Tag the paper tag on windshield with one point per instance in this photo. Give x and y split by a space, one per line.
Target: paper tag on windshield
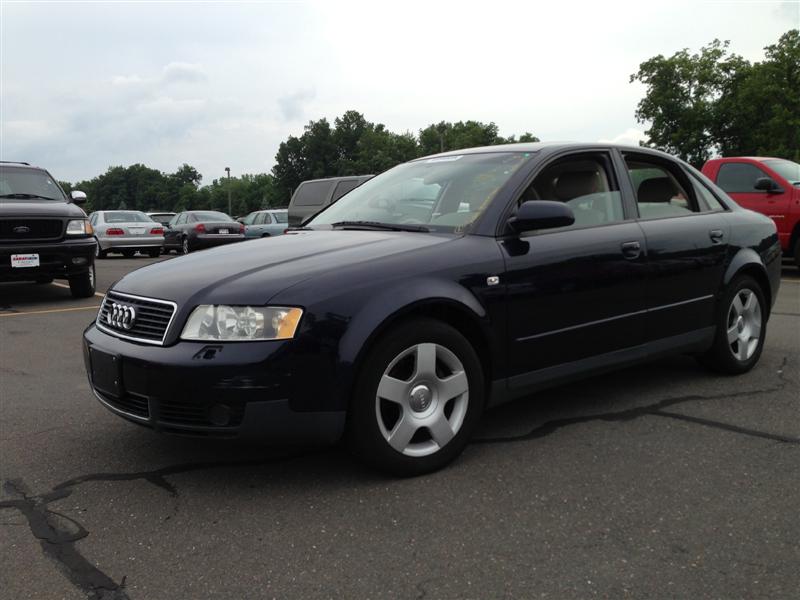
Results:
444 159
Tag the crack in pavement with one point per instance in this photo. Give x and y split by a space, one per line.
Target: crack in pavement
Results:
58 542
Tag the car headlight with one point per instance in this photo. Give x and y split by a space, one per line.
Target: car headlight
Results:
241 323
79 227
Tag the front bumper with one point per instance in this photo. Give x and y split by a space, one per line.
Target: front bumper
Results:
61 259
118 241
205 389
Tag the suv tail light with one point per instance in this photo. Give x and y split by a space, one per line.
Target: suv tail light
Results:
200 228
157 231
114 231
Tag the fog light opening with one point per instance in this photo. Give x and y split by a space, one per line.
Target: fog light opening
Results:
79 260
219 415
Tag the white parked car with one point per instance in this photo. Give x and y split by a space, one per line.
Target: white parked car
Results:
126 231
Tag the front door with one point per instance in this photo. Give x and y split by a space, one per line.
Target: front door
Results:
575 292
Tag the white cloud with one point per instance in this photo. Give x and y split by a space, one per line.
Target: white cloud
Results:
629 137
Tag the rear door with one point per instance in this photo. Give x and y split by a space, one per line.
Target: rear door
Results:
687 246
575 292
172 233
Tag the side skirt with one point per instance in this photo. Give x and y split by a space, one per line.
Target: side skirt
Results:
504 390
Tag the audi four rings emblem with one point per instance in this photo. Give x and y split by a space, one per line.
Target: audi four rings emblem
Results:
121 316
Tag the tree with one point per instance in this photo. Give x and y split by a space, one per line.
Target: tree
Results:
717 102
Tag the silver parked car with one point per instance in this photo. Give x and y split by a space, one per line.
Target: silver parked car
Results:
126 231
265 223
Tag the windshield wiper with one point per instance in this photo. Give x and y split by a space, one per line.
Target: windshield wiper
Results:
27 196
384 226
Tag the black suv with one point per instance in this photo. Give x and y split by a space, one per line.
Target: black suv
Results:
43 234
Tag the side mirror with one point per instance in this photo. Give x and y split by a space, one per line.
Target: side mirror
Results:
541 214
766 184
78 197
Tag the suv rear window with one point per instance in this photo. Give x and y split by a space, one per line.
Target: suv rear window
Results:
312 193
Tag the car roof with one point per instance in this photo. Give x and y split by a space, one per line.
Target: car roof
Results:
23 165
755 158
338 178
550 146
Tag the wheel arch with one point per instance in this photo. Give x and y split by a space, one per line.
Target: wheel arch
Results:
748 262
462 311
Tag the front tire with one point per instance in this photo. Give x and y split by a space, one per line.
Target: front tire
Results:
741 328
154 252
99 252
418 398
83 286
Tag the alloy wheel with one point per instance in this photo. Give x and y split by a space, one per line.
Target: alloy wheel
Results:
185 245
422 399
744 324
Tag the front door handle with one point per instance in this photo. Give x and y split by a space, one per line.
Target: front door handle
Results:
716 235
631 250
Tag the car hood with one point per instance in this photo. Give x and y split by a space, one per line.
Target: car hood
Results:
39 208
252 272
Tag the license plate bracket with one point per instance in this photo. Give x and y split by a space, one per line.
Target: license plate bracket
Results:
21 261
107 372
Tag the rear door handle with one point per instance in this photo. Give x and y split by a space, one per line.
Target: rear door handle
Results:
631 250
716 235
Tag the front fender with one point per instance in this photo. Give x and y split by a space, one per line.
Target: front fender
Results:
384 308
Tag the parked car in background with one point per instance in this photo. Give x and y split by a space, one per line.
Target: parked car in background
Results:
770 186
396 321
196 229
265 223
126 232
44 234
313 195
161 217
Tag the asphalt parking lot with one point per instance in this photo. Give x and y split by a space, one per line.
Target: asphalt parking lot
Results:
660 481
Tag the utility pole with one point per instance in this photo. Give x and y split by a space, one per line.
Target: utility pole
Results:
228 171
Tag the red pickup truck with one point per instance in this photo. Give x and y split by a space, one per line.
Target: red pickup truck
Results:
770 186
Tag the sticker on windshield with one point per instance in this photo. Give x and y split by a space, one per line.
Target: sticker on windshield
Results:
444 159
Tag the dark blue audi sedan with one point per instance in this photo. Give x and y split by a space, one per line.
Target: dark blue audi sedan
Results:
439 288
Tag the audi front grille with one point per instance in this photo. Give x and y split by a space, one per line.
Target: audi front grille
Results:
135 318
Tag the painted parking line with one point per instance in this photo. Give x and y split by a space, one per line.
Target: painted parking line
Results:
61 285
48 311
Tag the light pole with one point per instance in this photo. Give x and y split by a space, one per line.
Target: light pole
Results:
228 171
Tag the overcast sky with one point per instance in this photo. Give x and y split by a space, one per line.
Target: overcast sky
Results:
93 84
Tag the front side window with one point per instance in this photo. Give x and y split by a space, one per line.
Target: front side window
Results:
24 183
445 193
739 178
659 193
585 184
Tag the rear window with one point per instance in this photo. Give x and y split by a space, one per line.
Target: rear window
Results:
312 193
126 216
209 215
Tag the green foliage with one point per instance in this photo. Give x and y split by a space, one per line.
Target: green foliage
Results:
717 102
352 146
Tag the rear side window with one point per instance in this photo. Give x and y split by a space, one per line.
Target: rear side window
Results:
739 177
659 193
312 193
343 187
708 201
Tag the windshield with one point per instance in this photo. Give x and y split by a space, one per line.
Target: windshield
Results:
16 182
209 215
126 216
444 193
785 168
280 217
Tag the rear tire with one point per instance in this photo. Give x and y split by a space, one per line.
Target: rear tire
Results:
184 249
434 396
741 328
83 286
